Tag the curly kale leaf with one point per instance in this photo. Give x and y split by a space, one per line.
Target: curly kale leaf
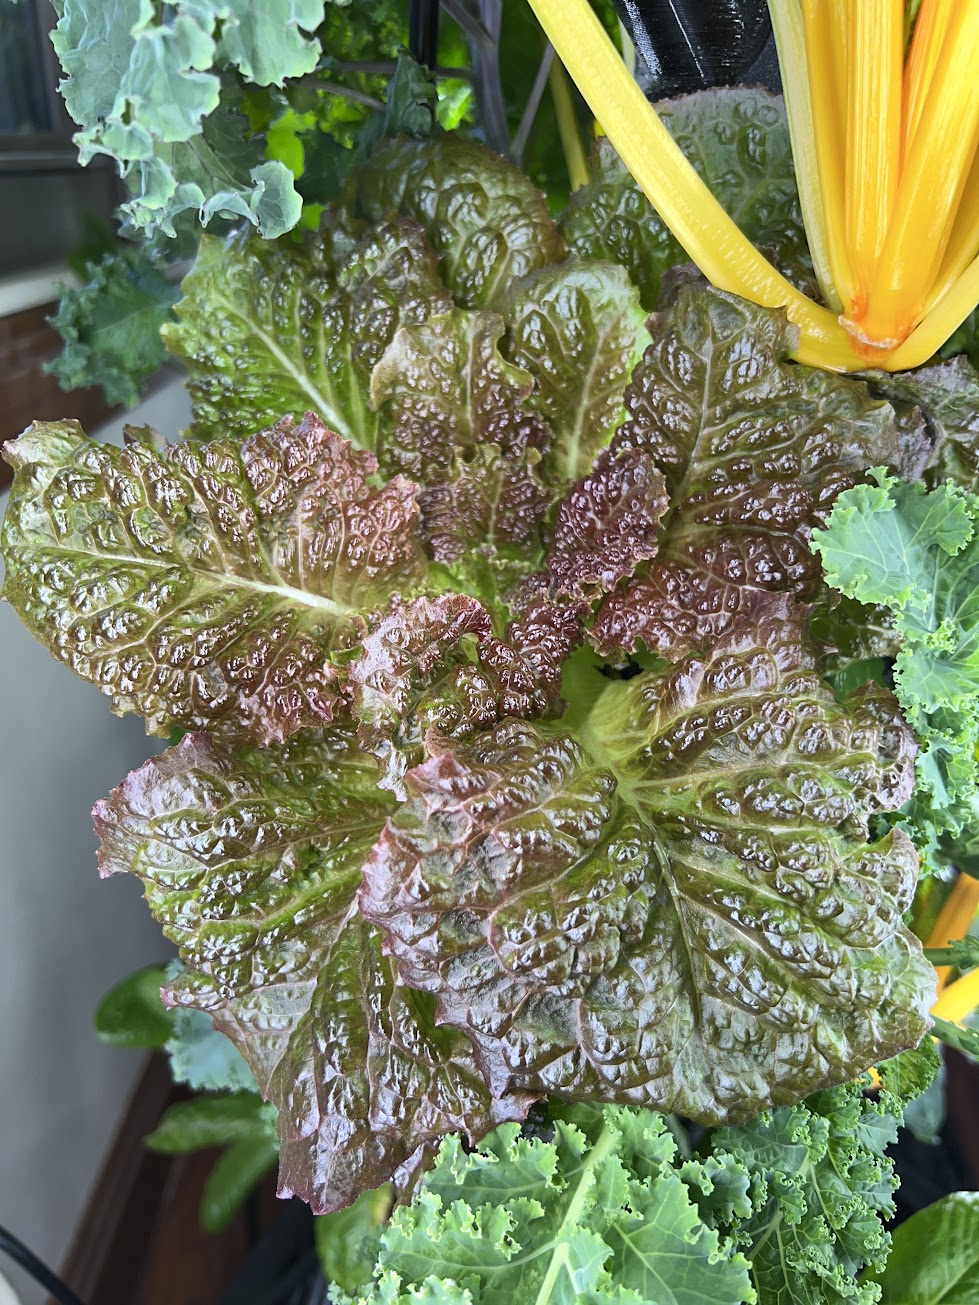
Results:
205 585
916 552
670 899
598 1219
738 140
146 89
111 327
604 1207
821 1184
753 450
251 861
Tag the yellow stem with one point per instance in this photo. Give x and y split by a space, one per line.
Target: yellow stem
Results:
872 155
567 125
959 999
930 28
954 920
963 244
938 324
928 196
791 44
824 23
685 203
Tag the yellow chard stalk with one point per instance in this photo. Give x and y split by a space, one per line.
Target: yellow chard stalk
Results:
884 145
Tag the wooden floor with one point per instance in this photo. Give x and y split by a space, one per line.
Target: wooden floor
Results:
140 1241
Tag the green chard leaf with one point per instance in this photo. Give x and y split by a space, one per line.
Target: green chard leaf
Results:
917 552
935 1260
738 140
670 899
270 330
754 450
251 861
573 1219
205 585
111 327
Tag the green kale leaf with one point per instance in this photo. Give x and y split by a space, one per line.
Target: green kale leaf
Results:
146 88
111 327
598 1219
916 551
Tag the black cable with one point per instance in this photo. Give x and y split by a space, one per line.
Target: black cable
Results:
37 1269
423 31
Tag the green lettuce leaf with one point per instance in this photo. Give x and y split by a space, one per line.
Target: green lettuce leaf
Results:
111 327
935 1260
754 450
669 899
738 140
267 330
251 861
204 585
917 552
488 224
579 330
579 1219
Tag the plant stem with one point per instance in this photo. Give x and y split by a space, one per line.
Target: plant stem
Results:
567 125
349 93
533 104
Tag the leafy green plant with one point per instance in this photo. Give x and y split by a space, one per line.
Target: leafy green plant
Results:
567 682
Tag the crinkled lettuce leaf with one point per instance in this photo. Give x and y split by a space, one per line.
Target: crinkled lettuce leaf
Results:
205 585
754 450
672 901
251 859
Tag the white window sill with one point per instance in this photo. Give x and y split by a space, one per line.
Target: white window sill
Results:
42 285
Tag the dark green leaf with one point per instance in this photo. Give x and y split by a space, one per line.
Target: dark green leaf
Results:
935 1260
111 327
347 1240
132 1013
236 1173
212 1121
